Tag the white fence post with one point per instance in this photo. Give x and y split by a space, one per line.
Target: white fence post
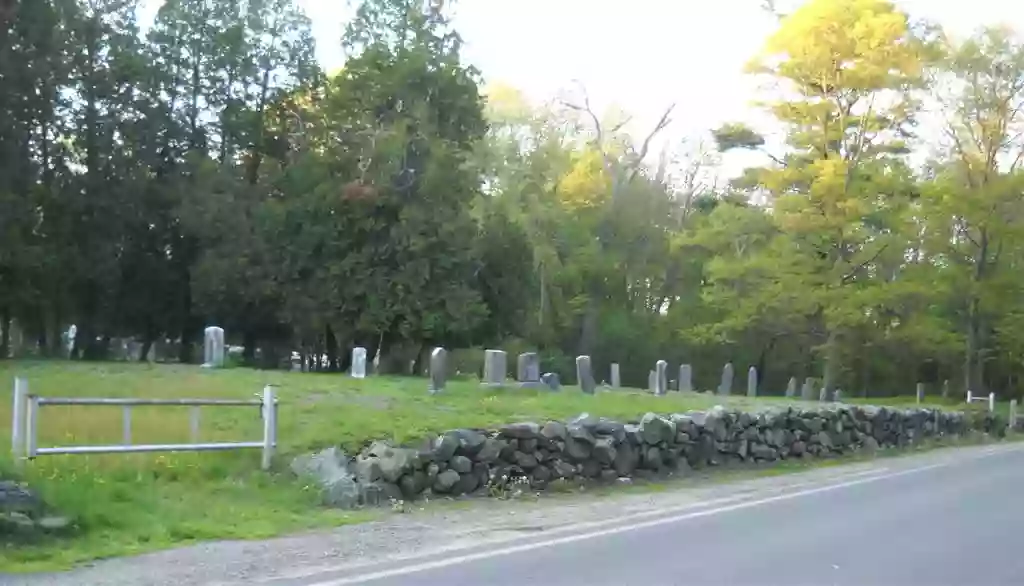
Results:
1013 415
18 420
269 411
969 397
32 426
991 402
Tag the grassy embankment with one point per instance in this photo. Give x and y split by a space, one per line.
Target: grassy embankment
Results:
127 504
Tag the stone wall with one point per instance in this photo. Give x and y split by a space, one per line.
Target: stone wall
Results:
464 461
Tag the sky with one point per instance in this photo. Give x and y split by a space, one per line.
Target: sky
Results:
640 55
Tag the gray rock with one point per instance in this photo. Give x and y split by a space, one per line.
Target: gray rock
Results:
541 475
604 451
870 444
467 483
654 429
393 462
633 434
367 469
413 484
525 430
683 423
525 461
798 448
626 459
652 458
608 476
582 434
607 427
554 430
585 420
328 470
445 446
378 493
445 481
54 523
461 464
716 422
433 469
590 469
15 497
470 442
763 452
563 469
490 451
528 445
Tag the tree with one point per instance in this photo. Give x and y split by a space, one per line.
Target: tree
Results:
836 193
973 203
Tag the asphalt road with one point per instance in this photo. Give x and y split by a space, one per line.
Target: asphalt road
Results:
958 521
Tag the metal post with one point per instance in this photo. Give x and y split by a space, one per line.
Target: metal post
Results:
18 420
968 396
920 393
1013 415
991 402
32 427
194 424
269 425
126 425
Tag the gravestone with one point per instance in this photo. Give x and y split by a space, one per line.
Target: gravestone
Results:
791 387
725 386
945 389
837 395
213 347
616 377
652 381
438 370
551 380
752 381
359 362
685 378
495 367
528 370
69 337
807 391
661 378
920 393
823 395
585 374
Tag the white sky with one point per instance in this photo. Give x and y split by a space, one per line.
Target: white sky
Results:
639 55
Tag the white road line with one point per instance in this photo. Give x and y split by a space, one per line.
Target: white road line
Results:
416 568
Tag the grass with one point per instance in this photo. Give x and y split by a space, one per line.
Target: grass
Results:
126 504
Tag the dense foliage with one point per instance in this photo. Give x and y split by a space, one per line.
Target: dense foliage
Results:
202 169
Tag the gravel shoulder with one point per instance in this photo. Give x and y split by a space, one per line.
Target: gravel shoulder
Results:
438 528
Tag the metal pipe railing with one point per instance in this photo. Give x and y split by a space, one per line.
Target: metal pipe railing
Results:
27 407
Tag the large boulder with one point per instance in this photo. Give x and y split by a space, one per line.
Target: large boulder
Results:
328 470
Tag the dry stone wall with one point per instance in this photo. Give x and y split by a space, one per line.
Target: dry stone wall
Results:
464 461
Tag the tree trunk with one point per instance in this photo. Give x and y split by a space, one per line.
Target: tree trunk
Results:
331 343
249 343
831 363
5 332
972 365
147 344
588 328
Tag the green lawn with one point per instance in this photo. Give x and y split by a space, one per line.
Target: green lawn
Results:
133 503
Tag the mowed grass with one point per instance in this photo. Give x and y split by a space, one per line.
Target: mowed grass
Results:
140 502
